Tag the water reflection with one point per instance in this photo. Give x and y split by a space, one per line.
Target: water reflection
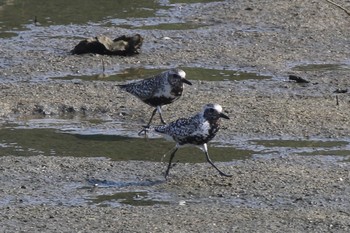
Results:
192 73
25 142
140 198
14 15
322 67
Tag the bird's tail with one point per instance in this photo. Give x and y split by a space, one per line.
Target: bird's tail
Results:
121 86
159 129
149 130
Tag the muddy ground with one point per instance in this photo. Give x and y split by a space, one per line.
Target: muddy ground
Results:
289 193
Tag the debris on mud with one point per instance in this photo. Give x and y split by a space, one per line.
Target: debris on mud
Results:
297 79
341 91
122 46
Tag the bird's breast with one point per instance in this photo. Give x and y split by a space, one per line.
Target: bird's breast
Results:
176 91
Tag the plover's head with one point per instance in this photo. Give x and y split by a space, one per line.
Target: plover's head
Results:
213 112
177 77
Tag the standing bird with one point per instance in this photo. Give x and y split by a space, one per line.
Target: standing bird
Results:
196 130
159 90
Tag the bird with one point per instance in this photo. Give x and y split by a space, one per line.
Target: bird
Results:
197 130
158 90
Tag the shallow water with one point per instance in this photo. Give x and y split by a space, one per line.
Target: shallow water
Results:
301 143
15 16
135 198
305 147
99 138
322 67
192 73
54 142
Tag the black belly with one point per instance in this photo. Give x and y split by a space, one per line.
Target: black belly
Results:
156 101
196 140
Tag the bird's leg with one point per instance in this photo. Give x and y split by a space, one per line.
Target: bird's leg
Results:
150 120
170 160
211 162
166 155
146 127
174 164
159 109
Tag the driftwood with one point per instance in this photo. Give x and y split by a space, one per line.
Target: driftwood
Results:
122 46
341 91
297 79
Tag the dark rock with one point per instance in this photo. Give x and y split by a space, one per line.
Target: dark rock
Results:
297 79
341 91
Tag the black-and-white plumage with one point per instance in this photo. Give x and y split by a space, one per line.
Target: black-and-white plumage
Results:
159 90
197 130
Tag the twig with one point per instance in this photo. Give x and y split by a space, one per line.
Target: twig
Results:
337 103
103 66
341 7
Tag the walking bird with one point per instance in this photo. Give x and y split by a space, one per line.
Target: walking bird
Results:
197 130
158 90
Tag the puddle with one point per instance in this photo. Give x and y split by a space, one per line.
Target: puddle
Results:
138 198
99 138
16 16
299 143
192 73
322 67
167 26
329 153
304 147
103 193
119 184
80 137
53 142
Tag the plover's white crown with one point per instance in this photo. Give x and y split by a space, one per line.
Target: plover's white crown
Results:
177 72
181 73
217 107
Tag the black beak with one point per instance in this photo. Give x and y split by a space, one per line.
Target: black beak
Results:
186 81
224 116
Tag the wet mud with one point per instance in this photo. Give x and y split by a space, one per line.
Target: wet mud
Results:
296 177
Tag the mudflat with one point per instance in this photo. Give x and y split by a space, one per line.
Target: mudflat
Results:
286 192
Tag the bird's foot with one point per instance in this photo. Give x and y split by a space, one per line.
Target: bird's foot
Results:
224 174
144 130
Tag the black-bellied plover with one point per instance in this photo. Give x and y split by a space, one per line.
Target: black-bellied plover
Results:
197 130
158 90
